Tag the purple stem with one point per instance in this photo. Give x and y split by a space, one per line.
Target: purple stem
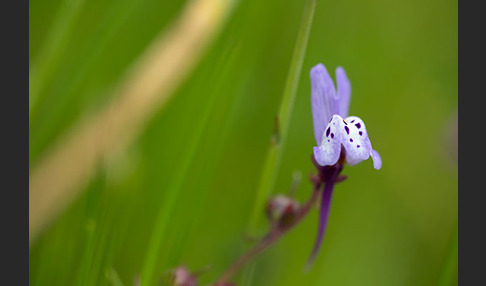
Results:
323 214
275 233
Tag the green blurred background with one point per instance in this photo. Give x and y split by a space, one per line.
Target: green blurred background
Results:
396 226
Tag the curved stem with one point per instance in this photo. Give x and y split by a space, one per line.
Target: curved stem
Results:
274 234
329 175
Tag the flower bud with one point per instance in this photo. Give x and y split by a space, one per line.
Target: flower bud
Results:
281 209
182 277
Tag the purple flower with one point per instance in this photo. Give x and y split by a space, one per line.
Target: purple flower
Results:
329 107
333 133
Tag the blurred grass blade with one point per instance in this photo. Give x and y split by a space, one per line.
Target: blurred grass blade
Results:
113 277
154 252
449 273
172 194
53 49
146 89
274 155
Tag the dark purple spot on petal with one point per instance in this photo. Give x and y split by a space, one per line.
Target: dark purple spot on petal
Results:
352 121
350 139
332 135
331 119
328 140
345 122
327 131
347 129
357 146
358 125
361 133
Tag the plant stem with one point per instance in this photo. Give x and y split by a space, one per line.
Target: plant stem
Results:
275 153
327 175
274 234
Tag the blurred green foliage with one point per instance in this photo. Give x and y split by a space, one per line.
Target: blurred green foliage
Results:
396 226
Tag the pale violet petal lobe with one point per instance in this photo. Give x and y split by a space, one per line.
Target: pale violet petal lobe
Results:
355 140
323 99
329 150
375 156
343 91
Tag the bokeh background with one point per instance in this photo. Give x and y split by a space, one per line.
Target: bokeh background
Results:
395 226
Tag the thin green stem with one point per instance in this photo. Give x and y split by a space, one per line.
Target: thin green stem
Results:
274 155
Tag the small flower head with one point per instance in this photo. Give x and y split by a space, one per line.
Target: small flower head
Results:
331 131
182 277
282 209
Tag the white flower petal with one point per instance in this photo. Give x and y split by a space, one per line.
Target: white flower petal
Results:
356 141
328 152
